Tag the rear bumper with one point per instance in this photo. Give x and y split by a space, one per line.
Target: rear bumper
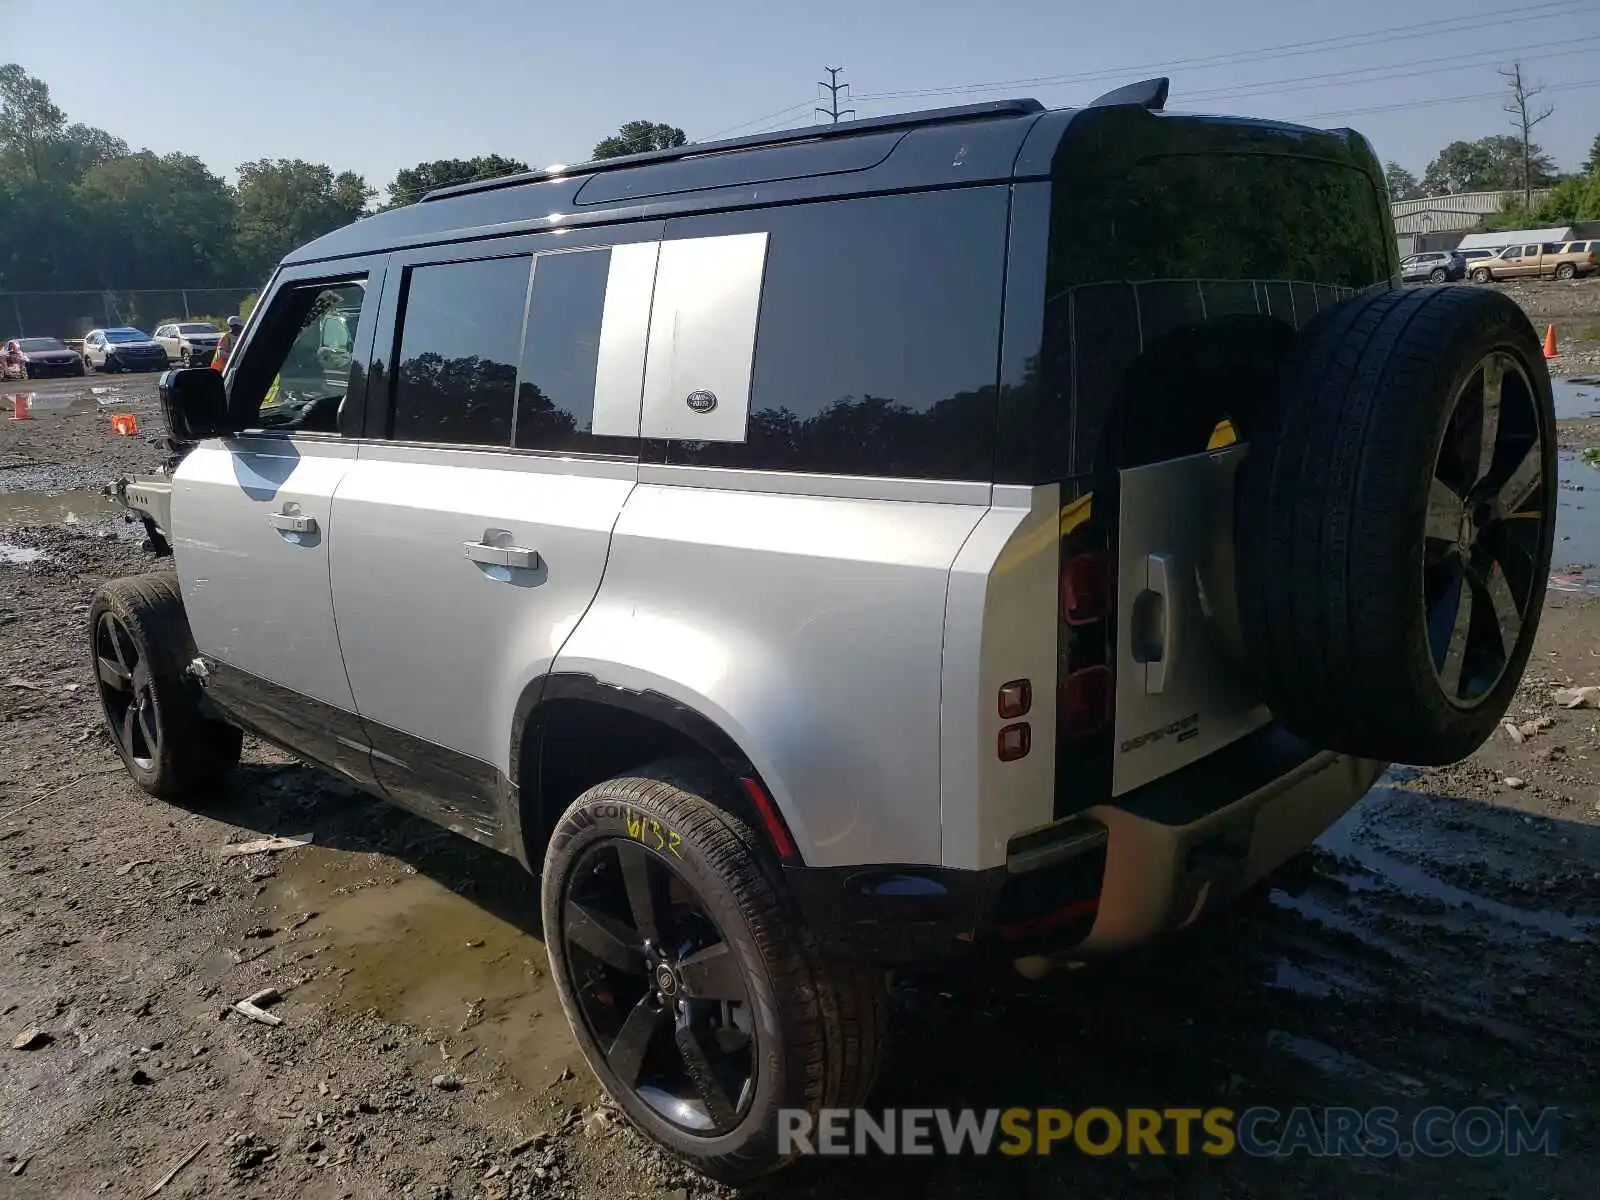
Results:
1104 880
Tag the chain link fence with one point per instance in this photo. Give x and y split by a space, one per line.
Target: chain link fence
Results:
73 314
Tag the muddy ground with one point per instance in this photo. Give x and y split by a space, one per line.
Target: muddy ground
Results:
1438 948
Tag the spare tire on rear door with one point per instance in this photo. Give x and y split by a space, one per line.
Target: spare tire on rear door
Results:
1394 523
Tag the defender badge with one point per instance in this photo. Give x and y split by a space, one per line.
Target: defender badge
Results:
702 402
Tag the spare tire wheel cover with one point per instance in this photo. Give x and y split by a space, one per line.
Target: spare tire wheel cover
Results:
1395 520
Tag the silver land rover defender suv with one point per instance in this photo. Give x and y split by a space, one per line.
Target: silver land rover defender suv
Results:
989 533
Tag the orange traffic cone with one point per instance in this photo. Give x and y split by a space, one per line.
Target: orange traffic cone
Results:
19 407
125 424
1550 350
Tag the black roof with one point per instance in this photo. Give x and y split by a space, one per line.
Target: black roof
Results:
998 141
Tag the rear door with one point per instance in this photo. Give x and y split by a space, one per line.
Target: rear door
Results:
474 527
1225 243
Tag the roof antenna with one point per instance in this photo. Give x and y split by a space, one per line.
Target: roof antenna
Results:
1149 94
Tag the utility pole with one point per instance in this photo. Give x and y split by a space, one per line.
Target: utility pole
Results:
1523 123
833 88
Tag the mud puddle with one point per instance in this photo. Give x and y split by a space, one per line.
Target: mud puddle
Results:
63 402
424 955
1365 866
14 555
1575 557
56 508
1576 398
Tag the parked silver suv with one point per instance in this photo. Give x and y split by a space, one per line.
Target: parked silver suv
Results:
992 534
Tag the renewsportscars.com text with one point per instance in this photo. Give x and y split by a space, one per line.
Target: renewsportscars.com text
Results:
1259 1132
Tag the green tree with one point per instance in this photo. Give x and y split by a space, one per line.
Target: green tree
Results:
1489 164
283 203
81 148
1592 163
159 221
1402 183
412 183
30 123
637 137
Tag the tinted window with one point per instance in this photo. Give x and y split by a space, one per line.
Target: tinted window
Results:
461 332
877 342
39 344
560 355
1175 288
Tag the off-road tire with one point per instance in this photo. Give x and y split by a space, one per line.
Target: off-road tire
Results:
821 1025
1331 509
196 752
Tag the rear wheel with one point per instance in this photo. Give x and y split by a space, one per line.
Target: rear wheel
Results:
1566 271
695 993
1396 514
140 645
1437 275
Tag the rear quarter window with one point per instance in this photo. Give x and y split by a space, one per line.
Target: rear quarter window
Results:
877 339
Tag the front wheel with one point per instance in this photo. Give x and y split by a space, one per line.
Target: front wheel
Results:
140 646
1480 275
697 996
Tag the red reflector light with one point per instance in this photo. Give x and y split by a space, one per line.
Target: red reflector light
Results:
1084 703
770 818
1085 589
1015 742
1016 698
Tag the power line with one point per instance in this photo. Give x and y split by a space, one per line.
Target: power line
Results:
833 88
1546 10
1405 70
1576 85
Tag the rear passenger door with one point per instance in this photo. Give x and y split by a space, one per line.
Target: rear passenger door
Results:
473 531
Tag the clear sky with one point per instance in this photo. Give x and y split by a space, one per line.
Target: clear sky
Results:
375 85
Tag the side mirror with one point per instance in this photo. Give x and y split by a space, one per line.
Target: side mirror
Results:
194 404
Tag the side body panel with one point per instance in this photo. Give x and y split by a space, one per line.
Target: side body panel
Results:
1000 627
808 627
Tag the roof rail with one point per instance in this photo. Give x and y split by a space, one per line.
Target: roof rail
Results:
932 116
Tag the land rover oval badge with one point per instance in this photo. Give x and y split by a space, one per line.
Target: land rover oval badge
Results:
702 402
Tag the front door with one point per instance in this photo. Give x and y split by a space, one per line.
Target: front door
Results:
252 516
473 528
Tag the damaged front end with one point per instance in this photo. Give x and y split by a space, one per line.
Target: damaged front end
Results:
148 498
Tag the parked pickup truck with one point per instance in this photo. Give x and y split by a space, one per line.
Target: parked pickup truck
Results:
1554 260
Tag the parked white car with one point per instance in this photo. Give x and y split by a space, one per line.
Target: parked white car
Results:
183 340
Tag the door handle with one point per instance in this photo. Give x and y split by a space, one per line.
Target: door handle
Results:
1160 580
292 523
519 557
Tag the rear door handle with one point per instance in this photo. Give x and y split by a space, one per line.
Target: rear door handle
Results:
292 523
519 557
1161 580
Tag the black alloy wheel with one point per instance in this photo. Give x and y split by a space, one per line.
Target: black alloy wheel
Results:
1484 528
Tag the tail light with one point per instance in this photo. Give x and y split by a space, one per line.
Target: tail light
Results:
1084 703
1085 588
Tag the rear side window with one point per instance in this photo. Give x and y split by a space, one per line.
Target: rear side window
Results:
877 339
556 391
460 340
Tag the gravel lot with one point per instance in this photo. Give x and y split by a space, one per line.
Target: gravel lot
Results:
1437 948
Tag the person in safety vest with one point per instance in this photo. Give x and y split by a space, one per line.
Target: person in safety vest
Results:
226 343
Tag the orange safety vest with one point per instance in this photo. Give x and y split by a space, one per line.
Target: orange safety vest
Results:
219 357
